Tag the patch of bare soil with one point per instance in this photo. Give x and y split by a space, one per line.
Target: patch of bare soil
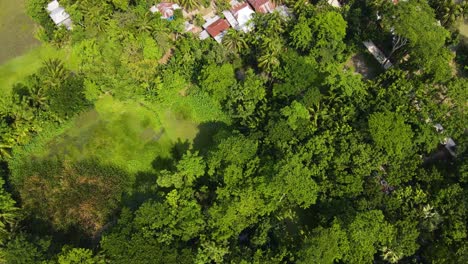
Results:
165 58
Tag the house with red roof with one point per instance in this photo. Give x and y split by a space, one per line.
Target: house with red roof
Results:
262 6
215 27
166 10
218 29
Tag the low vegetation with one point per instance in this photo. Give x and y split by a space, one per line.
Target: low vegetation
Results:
128 140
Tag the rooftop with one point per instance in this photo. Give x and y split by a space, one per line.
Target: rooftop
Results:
262 6
217 28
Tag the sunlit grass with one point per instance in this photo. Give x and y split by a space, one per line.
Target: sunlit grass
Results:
17 69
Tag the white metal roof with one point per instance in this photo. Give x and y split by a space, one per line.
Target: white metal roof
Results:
244 15
204 35
377 53
210 21
58 15
230 18
52 5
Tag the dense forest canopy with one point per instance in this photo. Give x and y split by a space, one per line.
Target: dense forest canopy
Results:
284 143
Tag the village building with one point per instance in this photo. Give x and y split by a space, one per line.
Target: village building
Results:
242 13
231 19
58 15
165 9
215 27
218 29
262 6
378 54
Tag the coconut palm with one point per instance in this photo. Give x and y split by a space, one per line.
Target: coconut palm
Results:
5 150
234 40
53 72
37 97
146 23
96 16
390 255
268 62
189 4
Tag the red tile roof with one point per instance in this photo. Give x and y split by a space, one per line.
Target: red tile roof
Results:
217 27
238 7
262 6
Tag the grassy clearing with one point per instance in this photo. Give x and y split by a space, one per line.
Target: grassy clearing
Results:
17 69
125 134
16 30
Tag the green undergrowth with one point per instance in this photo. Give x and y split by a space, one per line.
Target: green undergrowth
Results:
19 68
127 134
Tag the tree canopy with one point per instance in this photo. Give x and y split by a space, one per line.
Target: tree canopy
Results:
138 142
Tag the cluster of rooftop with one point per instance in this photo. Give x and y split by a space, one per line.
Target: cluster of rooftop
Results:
238 17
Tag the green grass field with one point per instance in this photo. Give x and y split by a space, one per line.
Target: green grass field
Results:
16 30
18 68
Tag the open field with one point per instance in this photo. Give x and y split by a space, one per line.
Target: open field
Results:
16 30
18 68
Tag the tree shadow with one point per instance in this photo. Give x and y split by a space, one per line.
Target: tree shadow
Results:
142 190
205 139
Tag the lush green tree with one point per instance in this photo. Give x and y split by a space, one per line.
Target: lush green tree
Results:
325 245
367 233
218 80
415 21
391 134
77 255
234 40
23 249
247 100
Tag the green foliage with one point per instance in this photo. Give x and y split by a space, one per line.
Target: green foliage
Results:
295 113
325 245
81 194
10 214
367 232
23 249
391 134
218 80
77 255
415 21
268 148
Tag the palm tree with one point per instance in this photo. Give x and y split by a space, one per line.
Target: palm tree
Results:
9 214
54 73
5 150
38 97
146 23
234 40
390 255
189 4
96 16
268 62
